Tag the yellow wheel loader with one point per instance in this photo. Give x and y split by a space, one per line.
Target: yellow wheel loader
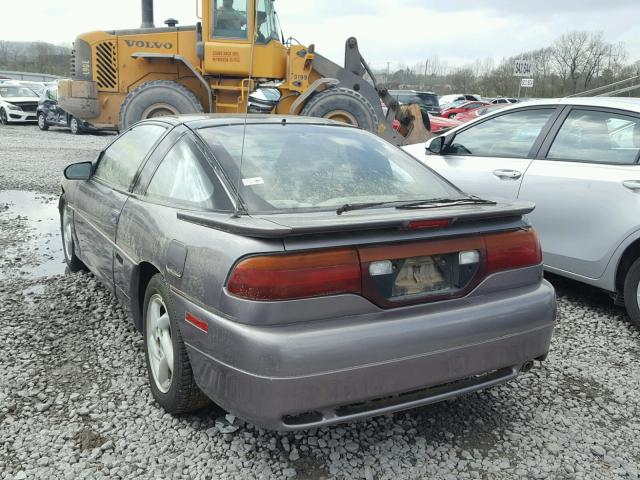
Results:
233 59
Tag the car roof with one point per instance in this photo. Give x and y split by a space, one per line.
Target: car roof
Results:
625 103
196 120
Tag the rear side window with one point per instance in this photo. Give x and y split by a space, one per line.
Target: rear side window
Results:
185 178
119 163
509 135
597 137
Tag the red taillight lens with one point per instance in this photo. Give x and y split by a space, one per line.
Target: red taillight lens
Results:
298 275
512 250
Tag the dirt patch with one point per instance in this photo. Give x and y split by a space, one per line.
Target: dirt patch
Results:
88 439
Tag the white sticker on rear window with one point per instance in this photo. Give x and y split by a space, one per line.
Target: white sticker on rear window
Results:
248 182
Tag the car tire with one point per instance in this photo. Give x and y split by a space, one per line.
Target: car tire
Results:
342 105
3 117
42 122
74 126
68 244
155 99
632 293
170 375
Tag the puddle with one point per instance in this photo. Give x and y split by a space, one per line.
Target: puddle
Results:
31 225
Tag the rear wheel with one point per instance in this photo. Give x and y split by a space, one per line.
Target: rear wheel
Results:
342 105
156 99
3 117
42 122
74 125
632 293
168 367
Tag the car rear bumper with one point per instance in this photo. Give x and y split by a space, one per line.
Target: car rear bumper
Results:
302 376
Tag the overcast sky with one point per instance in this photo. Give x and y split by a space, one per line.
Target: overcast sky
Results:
457 31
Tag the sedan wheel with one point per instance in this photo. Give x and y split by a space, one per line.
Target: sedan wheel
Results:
632 293
159 344
3 117
74 125
42 122
169 371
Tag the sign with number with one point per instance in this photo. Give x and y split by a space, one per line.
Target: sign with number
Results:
526 83
522 68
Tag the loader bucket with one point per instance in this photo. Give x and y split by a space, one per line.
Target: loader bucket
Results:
412 125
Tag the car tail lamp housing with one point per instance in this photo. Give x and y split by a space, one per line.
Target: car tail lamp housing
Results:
389 275
516 249
297 275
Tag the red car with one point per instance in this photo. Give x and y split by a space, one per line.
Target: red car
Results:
469 115
438 124
465 107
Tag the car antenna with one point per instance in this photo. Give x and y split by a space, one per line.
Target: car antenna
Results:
236 213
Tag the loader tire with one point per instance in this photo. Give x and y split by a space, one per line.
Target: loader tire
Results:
156 99
342 105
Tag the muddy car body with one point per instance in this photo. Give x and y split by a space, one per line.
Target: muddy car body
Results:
291 309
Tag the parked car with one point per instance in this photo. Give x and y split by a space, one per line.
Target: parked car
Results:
297 292
464 117
51 114
428 101
503 101
17 104
577 160
454 110
444 99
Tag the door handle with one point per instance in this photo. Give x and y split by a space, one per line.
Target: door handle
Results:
631 184
507 174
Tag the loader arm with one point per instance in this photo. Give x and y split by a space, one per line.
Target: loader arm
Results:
352 76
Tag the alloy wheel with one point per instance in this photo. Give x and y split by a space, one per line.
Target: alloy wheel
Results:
159 343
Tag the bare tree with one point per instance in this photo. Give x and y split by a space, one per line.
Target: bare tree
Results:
571 53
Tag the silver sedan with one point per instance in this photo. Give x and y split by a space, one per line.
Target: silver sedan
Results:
577 160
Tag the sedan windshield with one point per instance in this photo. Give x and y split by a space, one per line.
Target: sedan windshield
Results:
319 167
16 92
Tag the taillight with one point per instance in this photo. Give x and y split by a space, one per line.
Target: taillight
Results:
298 275
512 250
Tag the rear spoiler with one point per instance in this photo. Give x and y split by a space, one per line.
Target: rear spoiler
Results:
279 225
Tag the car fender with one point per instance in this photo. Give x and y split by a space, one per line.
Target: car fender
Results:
608 279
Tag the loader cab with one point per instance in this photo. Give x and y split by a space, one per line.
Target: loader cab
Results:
231 28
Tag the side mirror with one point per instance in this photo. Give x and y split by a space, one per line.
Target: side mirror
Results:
79 171
435 146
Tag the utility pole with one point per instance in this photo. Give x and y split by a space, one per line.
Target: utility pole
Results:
426 69
388 66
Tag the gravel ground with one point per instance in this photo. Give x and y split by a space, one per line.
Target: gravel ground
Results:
74 400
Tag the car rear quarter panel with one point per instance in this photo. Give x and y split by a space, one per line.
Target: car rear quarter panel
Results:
147 230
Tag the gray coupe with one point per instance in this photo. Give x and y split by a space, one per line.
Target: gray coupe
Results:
301 273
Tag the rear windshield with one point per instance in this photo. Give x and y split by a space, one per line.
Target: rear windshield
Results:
318 167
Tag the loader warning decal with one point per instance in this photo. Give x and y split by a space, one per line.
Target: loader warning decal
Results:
225 57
